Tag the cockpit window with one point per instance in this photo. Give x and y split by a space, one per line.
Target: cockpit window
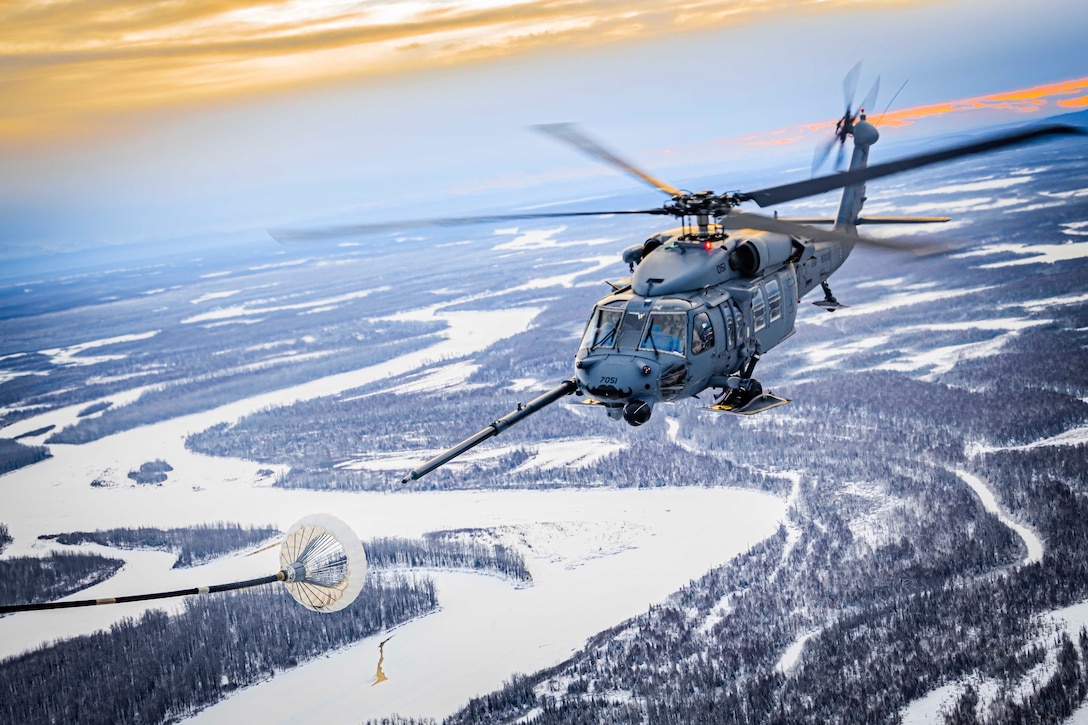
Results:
702 333
665 332
601 331
631 328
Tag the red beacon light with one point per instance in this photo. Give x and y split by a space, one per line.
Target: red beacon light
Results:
708 245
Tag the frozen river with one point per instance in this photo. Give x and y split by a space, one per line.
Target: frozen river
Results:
597 556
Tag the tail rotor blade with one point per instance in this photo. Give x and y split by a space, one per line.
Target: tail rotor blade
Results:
850 87
819 157
869 103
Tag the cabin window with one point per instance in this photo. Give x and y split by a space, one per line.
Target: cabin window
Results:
732 328
702 333
759 309
665 332
774 300
601 331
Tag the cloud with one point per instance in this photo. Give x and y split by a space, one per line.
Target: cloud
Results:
1025 100
67 65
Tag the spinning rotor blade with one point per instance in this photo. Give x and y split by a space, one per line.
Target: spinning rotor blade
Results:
811 187
349 230
744 220
850 88
821 154
569 133
869 101
840 156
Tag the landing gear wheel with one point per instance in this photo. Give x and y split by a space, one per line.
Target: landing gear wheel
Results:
754 390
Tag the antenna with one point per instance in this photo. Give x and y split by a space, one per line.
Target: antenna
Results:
892 101
322 561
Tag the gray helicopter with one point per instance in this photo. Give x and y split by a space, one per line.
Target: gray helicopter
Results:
708 298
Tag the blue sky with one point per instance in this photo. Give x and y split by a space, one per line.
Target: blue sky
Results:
398 106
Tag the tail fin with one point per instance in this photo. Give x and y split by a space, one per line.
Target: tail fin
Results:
853 197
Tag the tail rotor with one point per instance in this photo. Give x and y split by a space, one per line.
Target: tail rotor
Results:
845 126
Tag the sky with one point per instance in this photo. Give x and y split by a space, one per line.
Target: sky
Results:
152 121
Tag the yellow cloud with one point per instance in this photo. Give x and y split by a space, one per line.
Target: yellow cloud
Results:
67 64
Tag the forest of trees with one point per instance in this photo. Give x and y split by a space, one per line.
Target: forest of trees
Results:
888 568
34 579
14 455
446 550
164 667
193 545
151 472
220 642
207 388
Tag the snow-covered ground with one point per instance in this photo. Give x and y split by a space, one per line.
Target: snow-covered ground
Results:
597 557
1031 540
932 706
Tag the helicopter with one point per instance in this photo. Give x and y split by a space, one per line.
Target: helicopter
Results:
705 300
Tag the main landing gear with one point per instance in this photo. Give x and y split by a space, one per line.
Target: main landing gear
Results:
829 302
743 394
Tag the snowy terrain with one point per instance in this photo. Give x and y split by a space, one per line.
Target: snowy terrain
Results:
596 557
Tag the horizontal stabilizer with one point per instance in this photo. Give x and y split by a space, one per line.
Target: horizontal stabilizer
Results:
873 220
758 404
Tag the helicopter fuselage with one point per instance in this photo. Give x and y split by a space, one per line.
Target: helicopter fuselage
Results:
705 301
693 314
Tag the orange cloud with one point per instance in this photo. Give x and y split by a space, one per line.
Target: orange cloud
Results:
1080 102
70 64
1025 100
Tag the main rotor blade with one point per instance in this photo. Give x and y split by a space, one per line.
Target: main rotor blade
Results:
568 133
811 187
744 220
350 230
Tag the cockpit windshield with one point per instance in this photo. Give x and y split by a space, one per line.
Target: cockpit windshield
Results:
665 332
601 331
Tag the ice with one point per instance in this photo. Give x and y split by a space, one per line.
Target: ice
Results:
593 264
71 355
223 313
1036 253
1071 437
788 661
940 360
960 206
1032 542
1035 207
931 707
501 629
542 239
574 453
215 296
894 301
982 185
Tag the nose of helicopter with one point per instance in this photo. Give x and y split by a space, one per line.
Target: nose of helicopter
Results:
616 378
